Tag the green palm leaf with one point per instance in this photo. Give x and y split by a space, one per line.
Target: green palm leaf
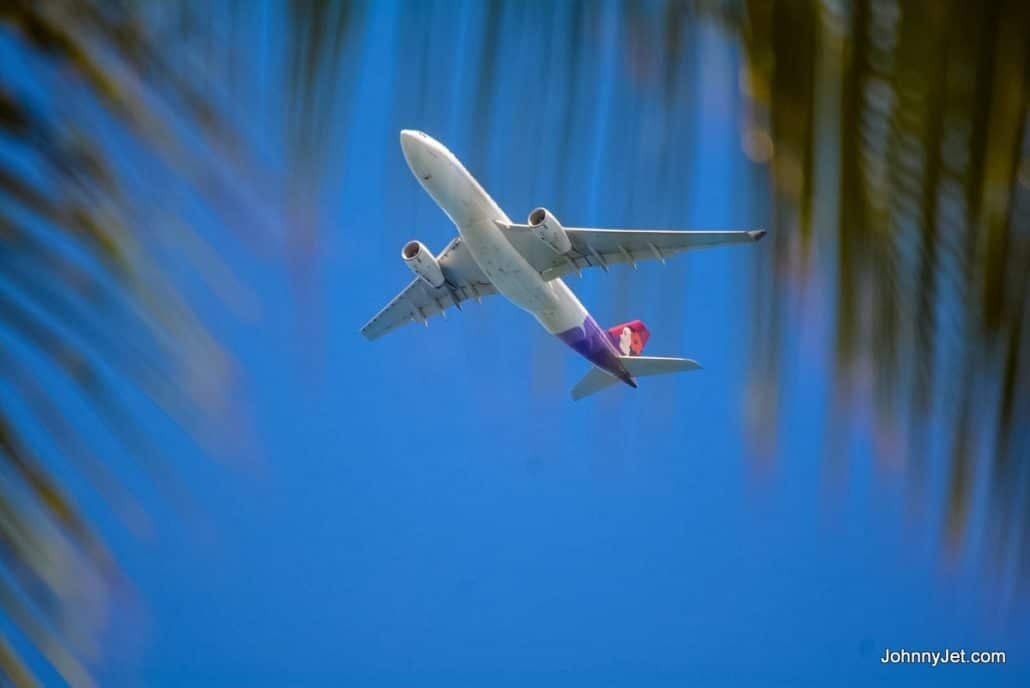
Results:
85 306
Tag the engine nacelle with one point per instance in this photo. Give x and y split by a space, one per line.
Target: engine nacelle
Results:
547 228
422 263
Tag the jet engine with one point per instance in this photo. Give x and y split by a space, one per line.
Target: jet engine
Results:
547 228
422 263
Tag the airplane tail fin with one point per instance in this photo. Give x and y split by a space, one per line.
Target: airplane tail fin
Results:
638 366
630 337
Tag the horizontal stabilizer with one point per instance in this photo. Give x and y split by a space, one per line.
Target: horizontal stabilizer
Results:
594 381
642 366
638 366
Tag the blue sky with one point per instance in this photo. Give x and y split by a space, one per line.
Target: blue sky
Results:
432 509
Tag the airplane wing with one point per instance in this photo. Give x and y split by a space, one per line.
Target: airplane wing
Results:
419 301
605 247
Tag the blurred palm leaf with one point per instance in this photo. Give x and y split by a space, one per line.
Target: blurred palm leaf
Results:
929 105
86 306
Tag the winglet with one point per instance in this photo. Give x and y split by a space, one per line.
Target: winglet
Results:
756 234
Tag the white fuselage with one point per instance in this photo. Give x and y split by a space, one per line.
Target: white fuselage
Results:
474 214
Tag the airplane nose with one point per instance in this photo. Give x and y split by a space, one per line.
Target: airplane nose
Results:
420 151
410 144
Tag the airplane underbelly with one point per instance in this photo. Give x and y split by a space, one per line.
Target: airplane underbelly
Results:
474 213
552 303
504 266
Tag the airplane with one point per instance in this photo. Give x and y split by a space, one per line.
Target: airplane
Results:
525 263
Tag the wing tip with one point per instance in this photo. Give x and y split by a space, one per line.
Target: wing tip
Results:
757 234
369 332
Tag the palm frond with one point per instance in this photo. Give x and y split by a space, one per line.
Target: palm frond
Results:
88 314
931 236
